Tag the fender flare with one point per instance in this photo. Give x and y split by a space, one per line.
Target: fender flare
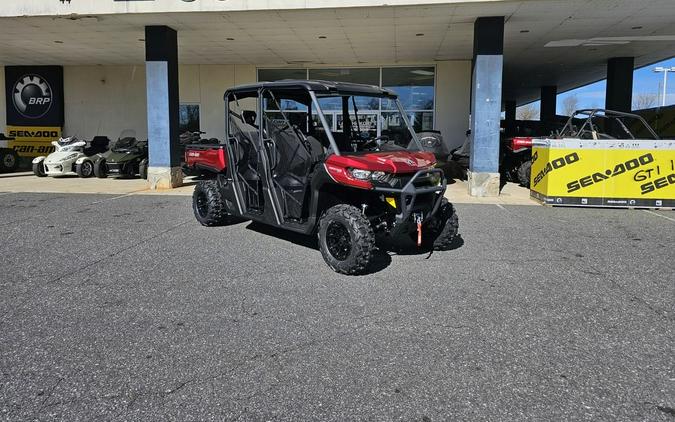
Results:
36 160
80 160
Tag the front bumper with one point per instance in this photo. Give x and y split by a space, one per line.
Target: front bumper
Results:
120 169
59 169
409 196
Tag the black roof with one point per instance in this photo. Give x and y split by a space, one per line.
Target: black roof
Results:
318 86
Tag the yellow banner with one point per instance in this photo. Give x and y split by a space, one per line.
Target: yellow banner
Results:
614 173
32 141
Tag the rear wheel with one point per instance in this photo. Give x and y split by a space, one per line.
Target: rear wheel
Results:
208 204
101 168
524 172
85 169
143 168
346 239
9 161
39 168
442 230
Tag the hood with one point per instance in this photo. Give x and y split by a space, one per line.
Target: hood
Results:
387 161
121 157
56 157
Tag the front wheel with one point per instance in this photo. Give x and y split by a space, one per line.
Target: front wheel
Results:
39 169
442 230
346 239
208 204
85 169
101 169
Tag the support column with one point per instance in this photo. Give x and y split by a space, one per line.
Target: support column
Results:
548 104
161 55
510 117
619 94
486 105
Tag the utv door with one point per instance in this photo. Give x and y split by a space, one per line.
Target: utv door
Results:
289 151
244 149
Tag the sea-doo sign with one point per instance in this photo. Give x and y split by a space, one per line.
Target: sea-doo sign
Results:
34 95
34 98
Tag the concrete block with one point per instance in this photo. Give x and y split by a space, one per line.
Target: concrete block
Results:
165 177
483 184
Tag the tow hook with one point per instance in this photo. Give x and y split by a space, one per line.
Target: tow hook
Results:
418 217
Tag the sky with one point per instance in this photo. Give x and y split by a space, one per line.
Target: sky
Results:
645 80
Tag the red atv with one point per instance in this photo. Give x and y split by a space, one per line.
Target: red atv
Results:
296 157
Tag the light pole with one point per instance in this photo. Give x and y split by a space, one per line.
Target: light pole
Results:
665 71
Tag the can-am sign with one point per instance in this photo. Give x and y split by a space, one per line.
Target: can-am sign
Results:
34 97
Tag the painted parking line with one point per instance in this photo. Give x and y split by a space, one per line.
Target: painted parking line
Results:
659 215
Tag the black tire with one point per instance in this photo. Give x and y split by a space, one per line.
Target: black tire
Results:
101 169
524 172
346 239
85 169
442 230
143 169
208 204
9 160
39 169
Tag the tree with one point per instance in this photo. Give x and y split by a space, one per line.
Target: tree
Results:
644 100
527 112
570 105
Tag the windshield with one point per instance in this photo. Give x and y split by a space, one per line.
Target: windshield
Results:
356 123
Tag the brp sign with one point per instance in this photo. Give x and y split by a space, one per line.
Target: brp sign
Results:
32 96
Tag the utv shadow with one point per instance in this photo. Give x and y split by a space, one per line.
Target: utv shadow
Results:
381 259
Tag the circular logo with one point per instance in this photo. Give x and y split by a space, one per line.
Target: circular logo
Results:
32 96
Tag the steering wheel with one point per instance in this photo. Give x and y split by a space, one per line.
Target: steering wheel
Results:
380 140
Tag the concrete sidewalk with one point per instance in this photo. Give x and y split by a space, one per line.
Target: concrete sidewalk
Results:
457 192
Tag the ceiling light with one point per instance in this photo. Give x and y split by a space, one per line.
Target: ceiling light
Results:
422 72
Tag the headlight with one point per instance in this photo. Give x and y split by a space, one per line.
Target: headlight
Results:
360 174
429 141
70 156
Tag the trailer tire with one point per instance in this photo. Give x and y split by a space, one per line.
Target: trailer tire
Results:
208 204
524 172
346 239
85 169
9 160
442 230
100 169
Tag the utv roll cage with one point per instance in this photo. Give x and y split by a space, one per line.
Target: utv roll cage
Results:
317 89
590 122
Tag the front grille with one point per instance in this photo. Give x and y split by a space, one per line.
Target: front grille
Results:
424 180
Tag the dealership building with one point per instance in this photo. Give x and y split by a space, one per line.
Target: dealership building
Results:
159 67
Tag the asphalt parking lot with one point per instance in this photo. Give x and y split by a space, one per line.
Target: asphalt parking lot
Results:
124 308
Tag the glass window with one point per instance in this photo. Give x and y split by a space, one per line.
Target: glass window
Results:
189 118
414 86
368 76
271 75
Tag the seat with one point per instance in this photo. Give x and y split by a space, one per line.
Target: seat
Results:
97 145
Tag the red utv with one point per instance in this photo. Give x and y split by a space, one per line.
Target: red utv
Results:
296 157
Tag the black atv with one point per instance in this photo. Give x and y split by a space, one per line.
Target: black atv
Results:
283 166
